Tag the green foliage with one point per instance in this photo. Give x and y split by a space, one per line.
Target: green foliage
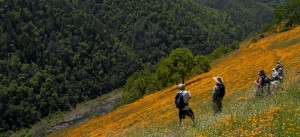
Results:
94 116
201 65
219 52
288 13
256 38
178 66
138 85
55 54
266 28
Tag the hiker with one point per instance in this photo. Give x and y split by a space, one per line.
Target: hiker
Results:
275 73
280 71
218 93
263 82
277 76
182 103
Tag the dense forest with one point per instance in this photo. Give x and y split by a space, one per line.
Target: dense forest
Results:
57 53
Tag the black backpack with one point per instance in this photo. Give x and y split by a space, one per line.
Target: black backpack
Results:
266 80
222 90
179 102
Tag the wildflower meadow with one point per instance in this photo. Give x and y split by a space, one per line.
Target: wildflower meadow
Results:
243 114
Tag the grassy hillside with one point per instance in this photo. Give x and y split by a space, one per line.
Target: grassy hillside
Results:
156 114
55 54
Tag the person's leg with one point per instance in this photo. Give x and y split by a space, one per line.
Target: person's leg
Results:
180 121
219 105
275 86
258 92
190 113
215 106
181 116
268 89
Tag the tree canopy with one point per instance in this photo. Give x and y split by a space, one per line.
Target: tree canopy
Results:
288 13
177 65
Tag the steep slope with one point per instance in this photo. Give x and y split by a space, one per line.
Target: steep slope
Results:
237 69
55 54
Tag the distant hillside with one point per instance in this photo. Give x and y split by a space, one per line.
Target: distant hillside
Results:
55 54
156 113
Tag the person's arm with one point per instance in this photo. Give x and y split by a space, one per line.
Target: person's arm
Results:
189 93
260 81
256 82
215 90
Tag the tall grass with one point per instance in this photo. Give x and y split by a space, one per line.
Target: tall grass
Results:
243 115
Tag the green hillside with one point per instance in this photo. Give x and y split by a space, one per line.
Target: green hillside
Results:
55 54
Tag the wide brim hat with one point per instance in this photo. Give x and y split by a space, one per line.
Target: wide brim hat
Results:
218 79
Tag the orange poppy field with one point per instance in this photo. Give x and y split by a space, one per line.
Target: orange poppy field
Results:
243 115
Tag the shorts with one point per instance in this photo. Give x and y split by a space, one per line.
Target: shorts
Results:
183 113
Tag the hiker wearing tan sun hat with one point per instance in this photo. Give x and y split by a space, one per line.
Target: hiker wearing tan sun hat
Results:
218 93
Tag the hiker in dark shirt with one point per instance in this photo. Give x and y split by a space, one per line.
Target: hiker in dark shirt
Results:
262 83
218 93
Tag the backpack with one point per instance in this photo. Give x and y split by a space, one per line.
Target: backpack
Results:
266 80
179 102
222 90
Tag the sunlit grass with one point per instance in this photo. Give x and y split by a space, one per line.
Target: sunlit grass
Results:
274 115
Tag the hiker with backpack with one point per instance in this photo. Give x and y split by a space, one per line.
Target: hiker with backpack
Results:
262 83
218 93
182 103
277 73
277 76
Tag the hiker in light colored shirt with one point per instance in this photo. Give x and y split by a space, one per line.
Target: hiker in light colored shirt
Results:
277 73
275 77
185 110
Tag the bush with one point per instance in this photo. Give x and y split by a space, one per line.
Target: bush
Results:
219 52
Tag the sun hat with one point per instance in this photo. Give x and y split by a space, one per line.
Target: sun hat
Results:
218 79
